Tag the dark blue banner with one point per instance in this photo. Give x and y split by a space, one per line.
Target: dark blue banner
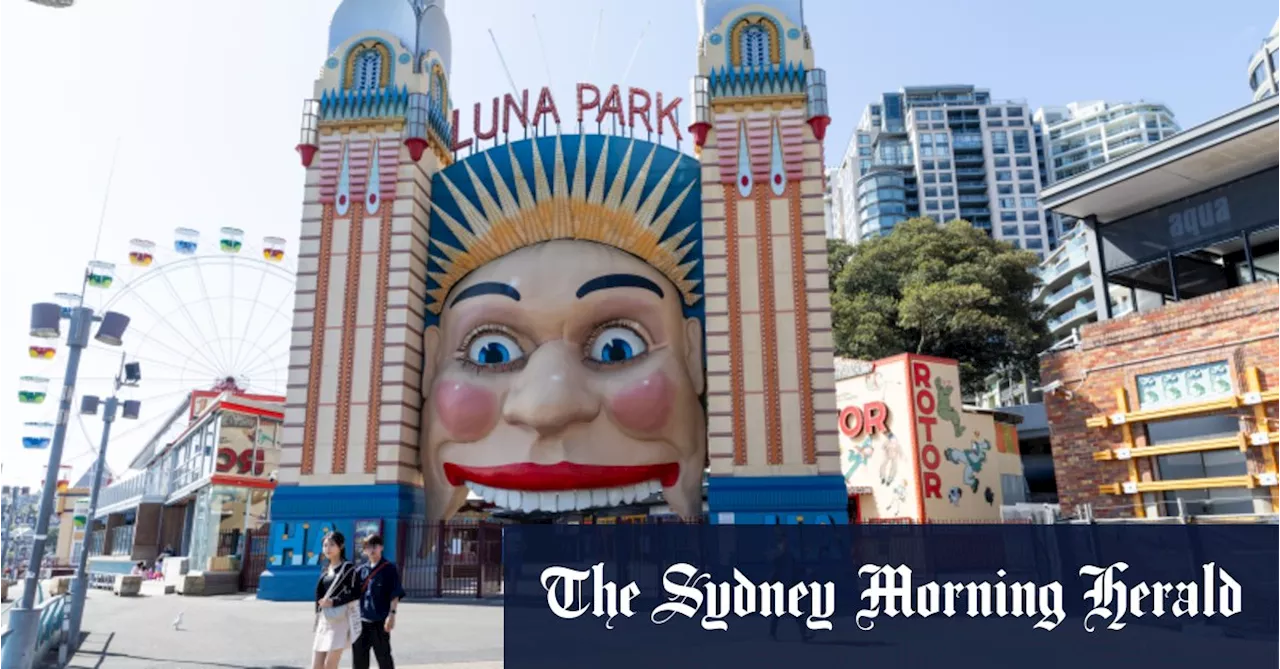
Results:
988 597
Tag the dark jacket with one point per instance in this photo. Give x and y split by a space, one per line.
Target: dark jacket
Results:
347 590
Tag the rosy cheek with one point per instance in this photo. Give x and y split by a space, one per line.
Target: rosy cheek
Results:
467 412
644 406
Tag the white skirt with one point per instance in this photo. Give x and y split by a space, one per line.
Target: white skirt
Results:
335 636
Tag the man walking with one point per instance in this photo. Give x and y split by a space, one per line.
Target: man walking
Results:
381 594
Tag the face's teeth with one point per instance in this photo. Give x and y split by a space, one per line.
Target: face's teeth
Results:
565 501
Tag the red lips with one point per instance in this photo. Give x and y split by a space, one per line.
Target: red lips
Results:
561 476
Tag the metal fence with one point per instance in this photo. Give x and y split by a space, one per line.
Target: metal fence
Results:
458 558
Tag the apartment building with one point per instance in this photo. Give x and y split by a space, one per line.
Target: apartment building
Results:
945 152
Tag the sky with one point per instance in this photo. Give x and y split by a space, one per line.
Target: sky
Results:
197 104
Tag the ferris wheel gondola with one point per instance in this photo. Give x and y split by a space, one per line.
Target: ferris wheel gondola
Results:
203 317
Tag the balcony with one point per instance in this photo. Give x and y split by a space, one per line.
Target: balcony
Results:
1082 309
149 487
1078 284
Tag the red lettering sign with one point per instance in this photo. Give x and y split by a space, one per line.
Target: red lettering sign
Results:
634 108
926 405
250 459
870 419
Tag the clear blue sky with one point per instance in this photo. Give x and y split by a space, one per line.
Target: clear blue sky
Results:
205 99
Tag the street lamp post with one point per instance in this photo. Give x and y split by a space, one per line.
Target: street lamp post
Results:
129 376
24 619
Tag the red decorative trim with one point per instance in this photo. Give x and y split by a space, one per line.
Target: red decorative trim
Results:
819 125
768 326
350 307
804 360
317 341
373 429
735 326
242 481
417 146
699 132
308 153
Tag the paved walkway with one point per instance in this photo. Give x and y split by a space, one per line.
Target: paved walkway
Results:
238 631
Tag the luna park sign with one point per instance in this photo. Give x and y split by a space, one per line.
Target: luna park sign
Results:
635 109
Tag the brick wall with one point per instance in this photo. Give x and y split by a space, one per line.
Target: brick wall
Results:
1239 325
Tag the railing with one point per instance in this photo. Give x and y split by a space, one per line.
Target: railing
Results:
122 540
148 484
1081 309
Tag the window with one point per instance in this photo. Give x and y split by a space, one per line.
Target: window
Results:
368 69
1031 229
1024 161
1028 202
754 47
1204 464
1007 216
1008 231
1027 188
1002 161
1035 243
1000 142
1021 141
1027 175
948 190
1004 189
1004 175
1030 215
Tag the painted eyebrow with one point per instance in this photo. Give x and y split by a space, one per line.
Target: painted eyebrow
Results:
486 288
619 281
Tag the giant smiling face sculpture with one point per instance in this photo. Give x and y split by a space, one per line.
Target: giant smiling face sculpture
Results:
563 374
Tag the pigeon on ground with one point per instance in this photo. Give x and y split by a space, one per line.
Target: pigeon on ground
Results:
177 622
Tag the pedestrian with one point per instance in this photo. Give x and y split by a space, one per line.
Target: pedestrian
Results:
382 592
337 614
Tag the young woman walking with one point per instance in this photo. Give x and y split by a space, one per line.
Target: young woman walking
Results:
337 625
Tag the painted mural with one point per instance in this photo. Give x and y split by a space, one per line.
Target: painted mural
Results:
912 452
875 452
564 361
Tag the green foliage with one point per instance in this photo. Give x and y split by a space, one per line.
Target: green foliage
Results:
950 291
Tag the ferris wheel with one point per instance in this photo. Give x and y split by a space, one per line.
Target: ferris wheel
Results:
207 312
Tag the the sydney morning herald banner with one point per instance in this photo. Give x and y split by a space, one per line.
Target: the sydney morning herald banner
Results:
989 597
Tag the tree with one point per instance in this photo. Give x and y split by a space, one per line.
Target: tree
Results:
950 291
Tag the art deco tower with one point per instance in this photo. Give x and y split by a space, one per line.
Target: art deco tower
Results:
372 137
760 113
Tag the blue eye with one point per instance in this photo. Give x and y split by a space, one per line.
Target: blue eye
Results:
617 344
493 349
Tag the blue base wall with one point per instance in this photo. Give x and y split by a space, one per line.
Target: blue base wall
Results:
301 516
778 500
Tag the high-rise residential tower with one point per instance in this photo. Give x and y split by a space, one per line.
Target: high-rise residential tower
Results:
1264 68
1080 136
946 152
